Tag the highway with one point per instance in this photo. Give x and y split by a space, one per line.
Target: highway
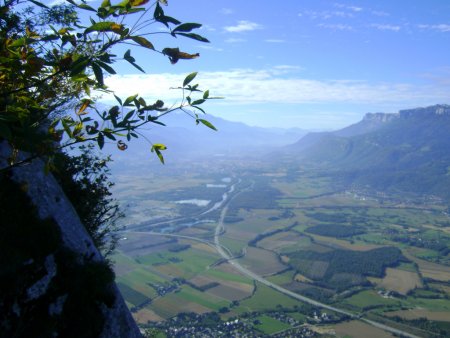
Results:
226 254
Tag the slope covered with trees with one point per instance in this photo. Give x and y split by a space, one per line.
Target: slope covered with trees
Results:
53 64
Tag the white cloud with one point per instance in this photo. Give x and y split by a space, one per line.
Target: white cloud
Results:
325 15
351 8
287 67
386 27
210 48
355 9
60 2
339 27
208 28
243 26
249 86
440 28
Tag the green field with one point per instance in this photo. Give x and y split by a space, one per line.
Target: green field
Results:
233 244
368 299
378 222
269 325
265 298
227 276
282 278
131 295
191 295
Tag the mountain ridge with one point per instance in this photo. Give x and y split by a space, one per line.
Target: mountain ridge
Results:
407 151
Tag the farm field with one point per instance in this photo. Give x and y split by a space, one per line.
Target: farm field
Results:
356 329
263 299
400 281
162 276
421 313
269 325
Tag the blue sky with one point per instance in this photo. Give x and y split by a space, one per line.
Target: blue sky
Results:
313 64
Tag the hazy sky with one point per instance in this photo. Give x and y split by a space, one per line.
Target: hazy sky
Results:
311 64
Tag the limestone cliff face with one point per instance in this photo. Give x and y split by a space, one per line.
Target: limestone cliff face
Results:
438 110
58 277
380 117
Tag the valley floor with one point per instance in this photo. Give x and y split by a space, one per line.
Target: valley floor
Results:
283 252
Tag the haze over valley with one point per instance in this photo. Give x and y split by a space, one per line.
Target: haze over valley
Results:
268 231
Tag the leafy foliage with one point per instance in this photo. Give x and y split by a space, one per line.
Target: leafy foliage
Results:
85 180
341 269
52 63
336 230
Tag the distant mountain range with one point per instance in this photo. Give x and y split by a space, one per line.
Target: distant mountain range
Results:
404 152
187 141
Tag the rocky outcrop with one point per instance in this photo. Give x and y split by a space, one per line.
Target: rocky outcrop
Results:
438 110
380 117
60 264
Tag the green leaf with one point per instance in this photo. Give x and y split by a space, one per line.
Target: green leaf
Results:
186 27
206 95
159 16
105 26
106 67
189 78
98 73
105 3
158 12
197 107
50 37
100 140
156 148
127 56
207 123
66 128
129 100
118 99
87 7
109 135
142 41
137 67
135 3
194 36
79 66
40 4
197 102
159 146
129 115
20 42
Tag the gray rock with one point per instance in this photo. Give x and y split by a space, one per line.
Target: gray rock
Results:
51 202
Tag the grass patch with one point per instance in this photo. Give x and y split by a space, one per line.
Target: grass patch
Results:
233 244
189 294
369 299
298 316
282 278
141 276
131 295
411 267
227 276
440 304
266 298
269 325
